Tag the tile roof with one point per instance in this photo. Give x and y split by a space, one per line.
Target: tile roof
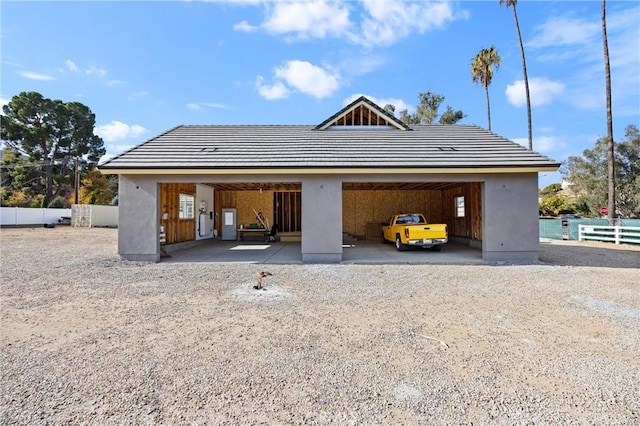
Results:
273 147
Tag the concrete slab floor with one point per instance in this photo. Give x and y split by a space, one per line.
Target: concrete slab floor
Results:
361 252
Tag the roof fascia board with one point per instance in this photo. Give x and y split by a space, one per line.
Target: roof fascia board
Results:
328 171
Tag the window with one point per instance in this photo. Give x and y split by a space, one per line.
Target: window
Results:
460 206
186 206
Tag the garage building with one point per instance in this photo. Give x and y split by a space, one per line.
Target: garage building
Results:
344 176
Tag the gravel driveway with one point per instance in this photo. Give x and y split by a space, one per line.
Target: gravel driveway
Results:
89 338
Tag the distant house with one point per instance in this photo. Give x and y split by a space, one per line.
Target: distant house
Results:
345 175
566 184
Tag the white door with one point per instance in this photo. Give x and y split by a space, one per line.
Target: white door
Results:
229 224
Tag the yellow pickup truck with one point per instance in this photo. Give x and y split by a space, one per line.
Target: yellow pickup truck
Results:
413 230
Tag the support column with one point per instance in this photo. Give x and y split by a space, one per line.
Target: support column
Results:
510 230
322 219
138 221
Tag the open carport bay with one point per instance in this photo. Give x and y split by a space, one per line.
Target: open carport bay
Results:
358 252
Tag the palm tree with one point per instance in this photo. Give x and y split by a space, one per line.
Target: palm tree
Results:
482 68
512 3
611 202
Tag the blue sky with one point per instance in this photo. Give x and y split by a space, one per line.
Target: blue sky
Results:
145 67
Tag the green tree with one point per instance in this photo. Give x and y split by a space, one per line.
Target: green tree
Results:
627 167
554 201
450 116
95 189
482 68
550 190
513 3
554 205
50 135
588 174
20 176
427 111
611 188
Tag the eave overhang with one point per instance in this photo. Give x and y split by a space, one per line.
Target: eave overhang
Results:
330 171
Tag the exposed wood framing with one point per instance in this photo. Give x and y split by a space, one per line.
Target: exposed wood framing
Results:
360 115
469 226
177 230
365 205
364 210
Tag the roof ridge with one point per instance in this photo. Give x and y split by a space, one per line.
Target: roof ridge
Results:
245 125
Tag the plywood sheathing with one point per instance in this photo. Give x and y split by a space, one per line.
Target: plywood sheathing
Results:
247 201
364 210
469 226
177 230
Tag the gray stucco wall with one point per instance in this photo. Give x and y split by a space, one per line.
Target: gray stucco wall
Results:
322 219
138 232
510 218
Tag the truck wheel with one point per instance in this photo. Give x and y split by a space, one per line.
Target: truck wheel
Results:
399 245
383 240
436 248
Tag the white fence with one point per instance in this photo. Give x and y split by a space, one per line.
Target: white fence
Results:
79 215
15 216
617 234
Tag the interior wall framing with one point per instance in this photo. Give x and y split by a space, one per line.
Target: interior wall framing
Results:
469 226
365 210
177 230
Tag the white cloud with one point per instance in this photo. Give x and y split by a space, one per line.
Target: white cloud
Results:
381 102
245 27
311 19
201 105
308 78
117 130
542 91
377 22
543 143
577 42
364 64
548 143
115 83
240 2
93 70
3 101
137 95
274 91
562 31
37 76
71 66
302 76
390 21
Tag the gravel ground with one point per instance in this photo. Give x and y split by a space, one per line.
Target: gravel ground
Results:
89 338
